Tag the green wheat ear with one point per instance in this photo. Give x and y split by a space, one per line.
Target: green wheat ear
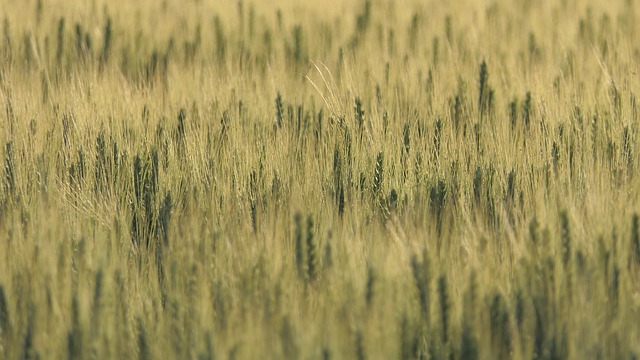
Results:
288 339
437 138
29 351
378 175
312 248
468 338
635 237
477 186
300 245
370 288
614 290
420 271
279 110
437 199
144 351
299 52
359 114
326 353
499 320
337 172
565 235
526 109
483 87
468 344
513 113
4 314
443 295
60 49
106 46
341 202
220 37
360 350
363 20
97 301
165 217
75 335
9 168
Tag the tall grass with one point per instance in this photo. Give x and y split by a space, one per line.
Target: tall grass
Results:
371 179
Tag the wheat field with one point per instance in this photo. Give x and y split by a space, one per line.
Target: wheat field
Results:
370 179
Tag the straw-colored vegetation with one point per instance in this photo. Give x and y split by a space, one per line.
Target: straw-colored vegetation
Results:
370 179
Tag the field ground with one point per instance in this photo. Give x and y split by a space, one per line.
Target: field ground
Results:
369 179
